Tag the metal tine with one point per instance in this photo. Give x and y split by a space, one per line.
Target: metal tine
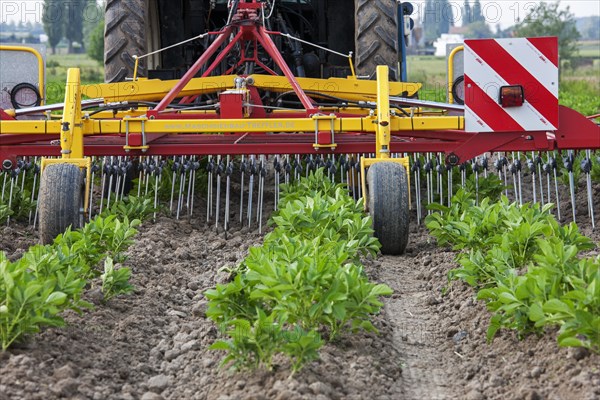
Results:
174 169
252 171
142 173
157 179
332 169
352 176
210 166
554 171
416 170
277 169
358 175
5 173
568 162
519 169
148 168
449 172
476 168
183 175
14 174
485 165
103 166
261 181
298 167
539 162
36 170
287 167
191 182
263 174
228 172
439 179
220 169
195 168
428 167
463 173
243 168
95 168
586 167
532 169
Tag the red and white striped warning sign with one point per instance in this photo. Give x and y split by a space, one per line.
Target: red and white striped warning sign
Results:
493 63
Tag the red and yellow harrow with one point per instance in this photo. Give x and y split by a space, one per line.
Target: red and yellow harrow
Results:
362 130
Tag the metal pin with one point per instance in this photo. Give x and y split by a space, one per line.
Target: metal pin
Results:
228 172
251 189
220 169
586 167
243 168
568 163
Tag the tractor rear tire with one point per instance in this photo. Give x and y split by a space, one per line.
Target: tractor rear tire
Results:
376 37
124 37
60 201
388 205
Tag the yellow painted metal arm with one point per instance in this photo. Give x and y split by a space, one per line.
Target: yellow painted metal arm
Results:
154 89
71 133
382 137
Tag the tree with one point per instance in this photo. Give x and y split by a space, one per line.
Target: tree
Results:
477 14
545 19
478 30
95 48
74 22
437 18
467 18
53 20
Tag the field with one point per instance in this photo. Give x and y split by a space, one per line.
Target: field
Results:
490 300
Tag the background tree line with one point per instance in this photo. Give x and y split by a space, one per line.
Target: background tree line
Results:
543 19
79 22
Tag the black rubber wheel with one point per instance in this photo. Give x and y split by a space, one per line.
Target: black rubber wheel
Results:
388 205
60 201
124 37
376 37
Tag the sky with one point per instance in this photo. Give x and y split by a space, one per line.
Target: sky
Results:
502 12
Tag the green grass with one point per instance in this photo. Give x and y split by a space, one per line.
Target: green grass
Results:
56 74
589 49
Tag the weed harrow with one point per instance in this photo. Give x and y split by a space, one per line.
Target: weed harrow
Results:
232 134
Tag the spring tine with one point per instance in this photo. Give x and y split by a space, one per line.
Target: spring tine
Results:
568 163
12 184
243 170
449 191
427 169
141 176
263 174
260 188
353 177
157 179
192 172
476 168
93 175
109 191
358 175
277 168
531 168
174 168
219 172
195 168
103 180
416 168
554 168
209 170
228 172
538 162
251 189
586 167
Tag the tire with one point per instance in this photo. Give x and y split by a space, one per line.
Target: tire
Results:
60 200
376 37
124 37
388 205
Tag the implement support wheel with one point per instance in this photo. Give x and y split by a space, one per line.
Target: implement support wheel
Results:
60 201
388 205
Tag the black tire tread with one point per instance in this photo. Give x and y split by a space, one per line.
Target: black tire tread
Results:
388 205
59 200
124 37
376 35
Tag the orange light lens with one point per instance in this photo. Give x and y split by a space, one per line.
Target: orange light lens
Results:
512 96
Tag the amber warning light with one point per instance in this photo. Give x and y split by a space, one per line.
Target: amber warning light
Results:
512 96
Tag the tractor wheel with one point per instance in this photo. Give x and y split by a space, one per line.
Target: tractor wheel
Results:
376 35
124 37
388 205
60 201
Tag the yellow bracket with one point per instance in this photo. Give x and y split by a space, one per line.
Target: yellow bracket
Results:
382 134
79 162
71 133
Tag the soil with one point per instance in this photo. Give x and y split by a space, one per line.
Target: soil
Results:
153 344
